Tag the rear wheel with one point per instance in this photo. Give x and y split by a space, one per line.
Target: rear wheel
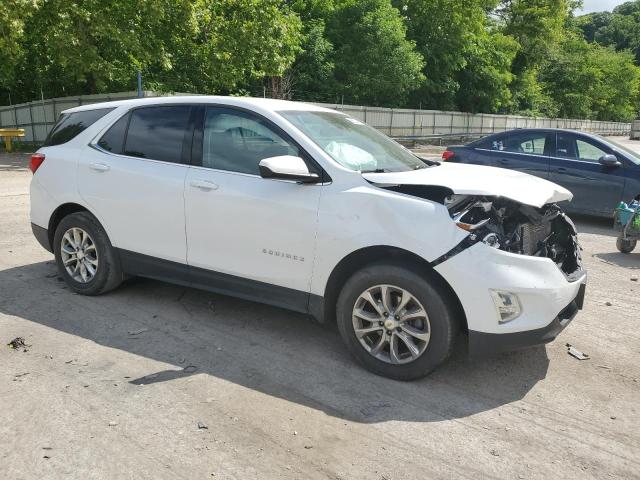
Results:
395 321
626 245
84 255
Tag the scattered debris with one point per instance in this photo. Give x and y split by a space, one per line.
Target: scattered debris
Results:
47 448
634 279
113 424
308 447
613 417
18 343
494 452
608 304
18 375
47 457
189 369
202 426
574 352
295 432
606 367
138 332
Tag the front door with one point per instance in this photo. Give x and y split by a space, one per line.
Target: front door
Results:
258 235
596 189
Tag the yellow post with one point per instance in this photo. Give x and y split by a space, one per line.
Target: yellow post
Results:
9 134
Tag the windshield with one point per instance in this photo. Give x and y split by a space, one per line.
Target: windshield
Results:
631 154
354 144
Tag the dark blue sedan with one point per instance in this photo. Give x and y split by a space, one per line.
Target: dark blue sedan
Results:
599 172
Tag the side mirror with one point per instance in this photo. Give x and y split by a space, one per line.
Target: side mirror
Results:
609 161
287 167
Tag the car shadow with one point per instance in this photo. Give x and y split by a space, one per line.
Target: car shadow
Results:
273 351
626 260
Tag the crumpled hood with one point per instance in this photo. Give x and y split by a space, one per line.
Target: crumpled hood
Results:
479 180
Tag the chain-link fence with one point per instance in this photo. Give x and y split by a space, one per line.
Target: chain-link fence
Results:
38 117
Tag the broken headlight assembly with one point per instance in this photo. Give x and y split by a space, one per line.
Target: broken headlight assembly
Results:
517 228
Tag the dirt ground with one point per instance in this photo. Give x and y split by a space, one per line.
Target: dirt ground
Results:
117 386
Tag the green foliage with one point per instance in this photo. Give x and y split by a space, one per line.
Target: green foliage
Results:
13 14
485 79
374 62
526 56
590 81
313 70
203 46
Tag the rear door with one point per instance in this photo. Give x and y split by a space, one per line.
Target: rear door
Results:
133 179
596 189
527 152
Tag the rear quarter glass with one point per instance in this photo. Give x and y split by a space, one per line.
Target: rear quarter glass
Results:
70 125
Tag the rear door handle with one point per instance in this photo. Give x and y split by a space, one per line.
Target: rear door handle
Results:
503 160
204 185
100 167
561 170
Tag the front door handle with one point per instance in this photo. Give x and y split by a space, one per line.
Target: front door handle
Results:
503 161
204 185
100 167
561 170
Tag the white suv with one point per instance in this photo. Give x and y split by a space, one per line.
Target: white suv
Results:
312 210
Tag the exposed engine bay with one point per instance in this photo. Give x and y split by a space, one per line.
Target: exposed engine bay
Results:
517 228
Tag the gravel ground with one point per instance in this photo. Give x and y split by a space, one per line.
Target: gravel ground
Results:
120 386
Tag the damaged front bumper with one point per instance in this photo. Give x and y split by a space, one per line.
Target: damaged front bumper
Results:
549 298
486 344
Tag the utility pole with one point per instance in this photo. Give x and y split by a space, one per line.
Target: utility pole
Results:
140 94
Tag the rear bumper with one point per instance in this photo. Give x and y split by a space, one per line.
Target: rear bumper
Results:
486 344
42 235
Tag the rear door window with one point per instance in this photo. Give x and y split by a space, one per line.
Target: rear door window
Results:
529 143
113 140
70 125
566 146
157 133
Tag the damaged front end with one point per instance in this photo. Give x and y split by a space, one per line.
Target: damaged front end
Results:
517 228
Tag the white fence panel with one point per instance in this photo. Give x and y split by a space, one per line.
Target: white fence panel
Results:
38 117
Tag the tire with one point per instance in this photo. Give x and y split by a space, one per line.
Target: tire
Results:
106 264
441 322
626 246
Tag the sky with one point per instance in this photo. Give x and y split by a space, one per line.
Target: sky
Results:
599 5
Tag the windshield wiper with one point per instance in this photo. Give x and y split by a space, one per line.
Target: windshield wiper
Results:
376 170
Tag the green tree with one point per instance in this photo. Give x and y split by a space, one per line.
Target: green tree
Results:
537 25
448 33
485 79
13 15
590 81
375 64
204 46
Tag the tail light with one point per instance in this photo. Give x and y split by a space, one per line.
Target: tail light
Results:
446 155
36 161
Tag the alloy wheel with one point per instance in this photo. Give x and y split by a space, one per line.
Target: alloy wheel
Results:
79 255
391 324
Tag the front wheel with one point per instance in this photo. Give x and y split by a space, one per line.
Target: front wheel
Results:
396 322
625 245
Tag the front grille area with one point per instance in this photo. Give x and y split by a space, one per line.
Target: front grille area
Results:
534 236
